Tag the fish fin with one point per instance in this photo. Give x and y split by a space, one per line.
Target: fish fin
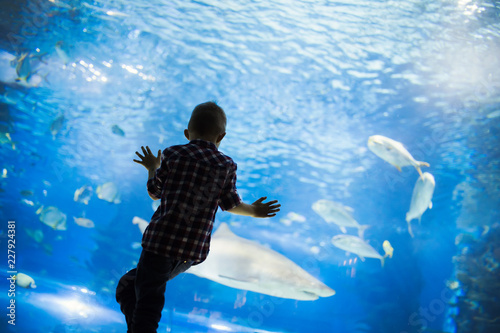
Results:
361 230
237 279
343 229
349 209
398 167
423 164
409 230
362 258
430 205
382 261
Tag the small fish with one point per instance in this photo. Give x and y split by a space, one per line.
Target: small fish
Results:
421 198
292 217
37 234
56 125
62 52
25 281
84 222
393 152
4 173
141 223
357 246
83 194
26 193
6 139
23 68
493 114
28 202
108 192
452 284
117 130
52 217
334 212
387 249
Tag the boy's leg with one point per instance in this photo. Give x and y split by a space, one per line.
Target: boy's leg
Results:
125 296
153 272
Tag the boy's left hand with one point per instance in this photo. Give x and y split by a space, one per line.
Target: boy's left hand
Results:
265 209
149 161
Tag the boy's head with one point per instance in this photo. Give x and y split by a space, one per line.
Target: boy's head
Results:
208 122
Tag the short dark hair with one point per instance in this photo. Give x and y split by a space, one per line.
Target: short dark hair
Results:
208 119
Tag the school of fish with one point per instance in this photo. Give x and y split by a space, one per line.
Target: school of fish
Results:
397 155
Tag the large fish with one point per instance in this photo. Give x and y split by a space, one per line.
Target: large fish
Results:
83 194
25 281
359 247
243 264
334 212
108 192
393 152
421 198
52 217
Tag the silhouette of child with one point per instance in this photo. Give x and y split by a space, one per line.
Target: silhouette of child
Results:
191 180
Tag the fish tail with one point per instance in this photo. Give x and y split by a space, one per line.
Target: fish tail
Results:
419 165
361 230
382 261
409 229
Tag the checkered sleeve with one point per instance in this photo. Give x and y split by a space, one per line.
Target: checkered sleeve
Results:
155 184
229 197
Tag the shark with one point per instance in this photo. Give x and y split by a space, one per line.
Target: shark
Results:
241 263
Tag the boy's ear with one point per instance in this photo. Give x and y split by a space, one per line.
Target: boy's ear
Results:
186 134
220 137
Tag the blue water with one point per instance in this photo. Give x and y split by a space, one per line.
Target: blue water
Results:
304 84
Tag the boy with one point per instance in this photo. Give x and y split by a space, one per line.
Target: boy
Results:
191 180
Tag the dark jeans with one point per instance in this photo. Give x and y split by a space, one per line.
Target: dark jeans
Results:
141 291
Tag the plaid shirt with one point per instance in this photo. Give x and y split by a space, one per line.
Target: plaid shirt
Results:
191 182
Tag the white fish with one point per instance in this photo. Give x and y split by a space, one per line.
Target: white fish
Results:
358 246
6 138
83 194
388 249
334 212
243 264
292 217
108 192
84 222
393 152
493 114
421 198
142 224
52 217
25 281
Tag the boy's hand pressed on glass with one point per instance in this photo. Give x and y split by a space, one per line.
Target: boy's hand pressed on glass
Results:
258 209
149 161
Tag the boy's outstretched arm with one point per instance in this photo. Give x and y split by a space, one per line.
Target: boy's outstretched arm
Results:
258 209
